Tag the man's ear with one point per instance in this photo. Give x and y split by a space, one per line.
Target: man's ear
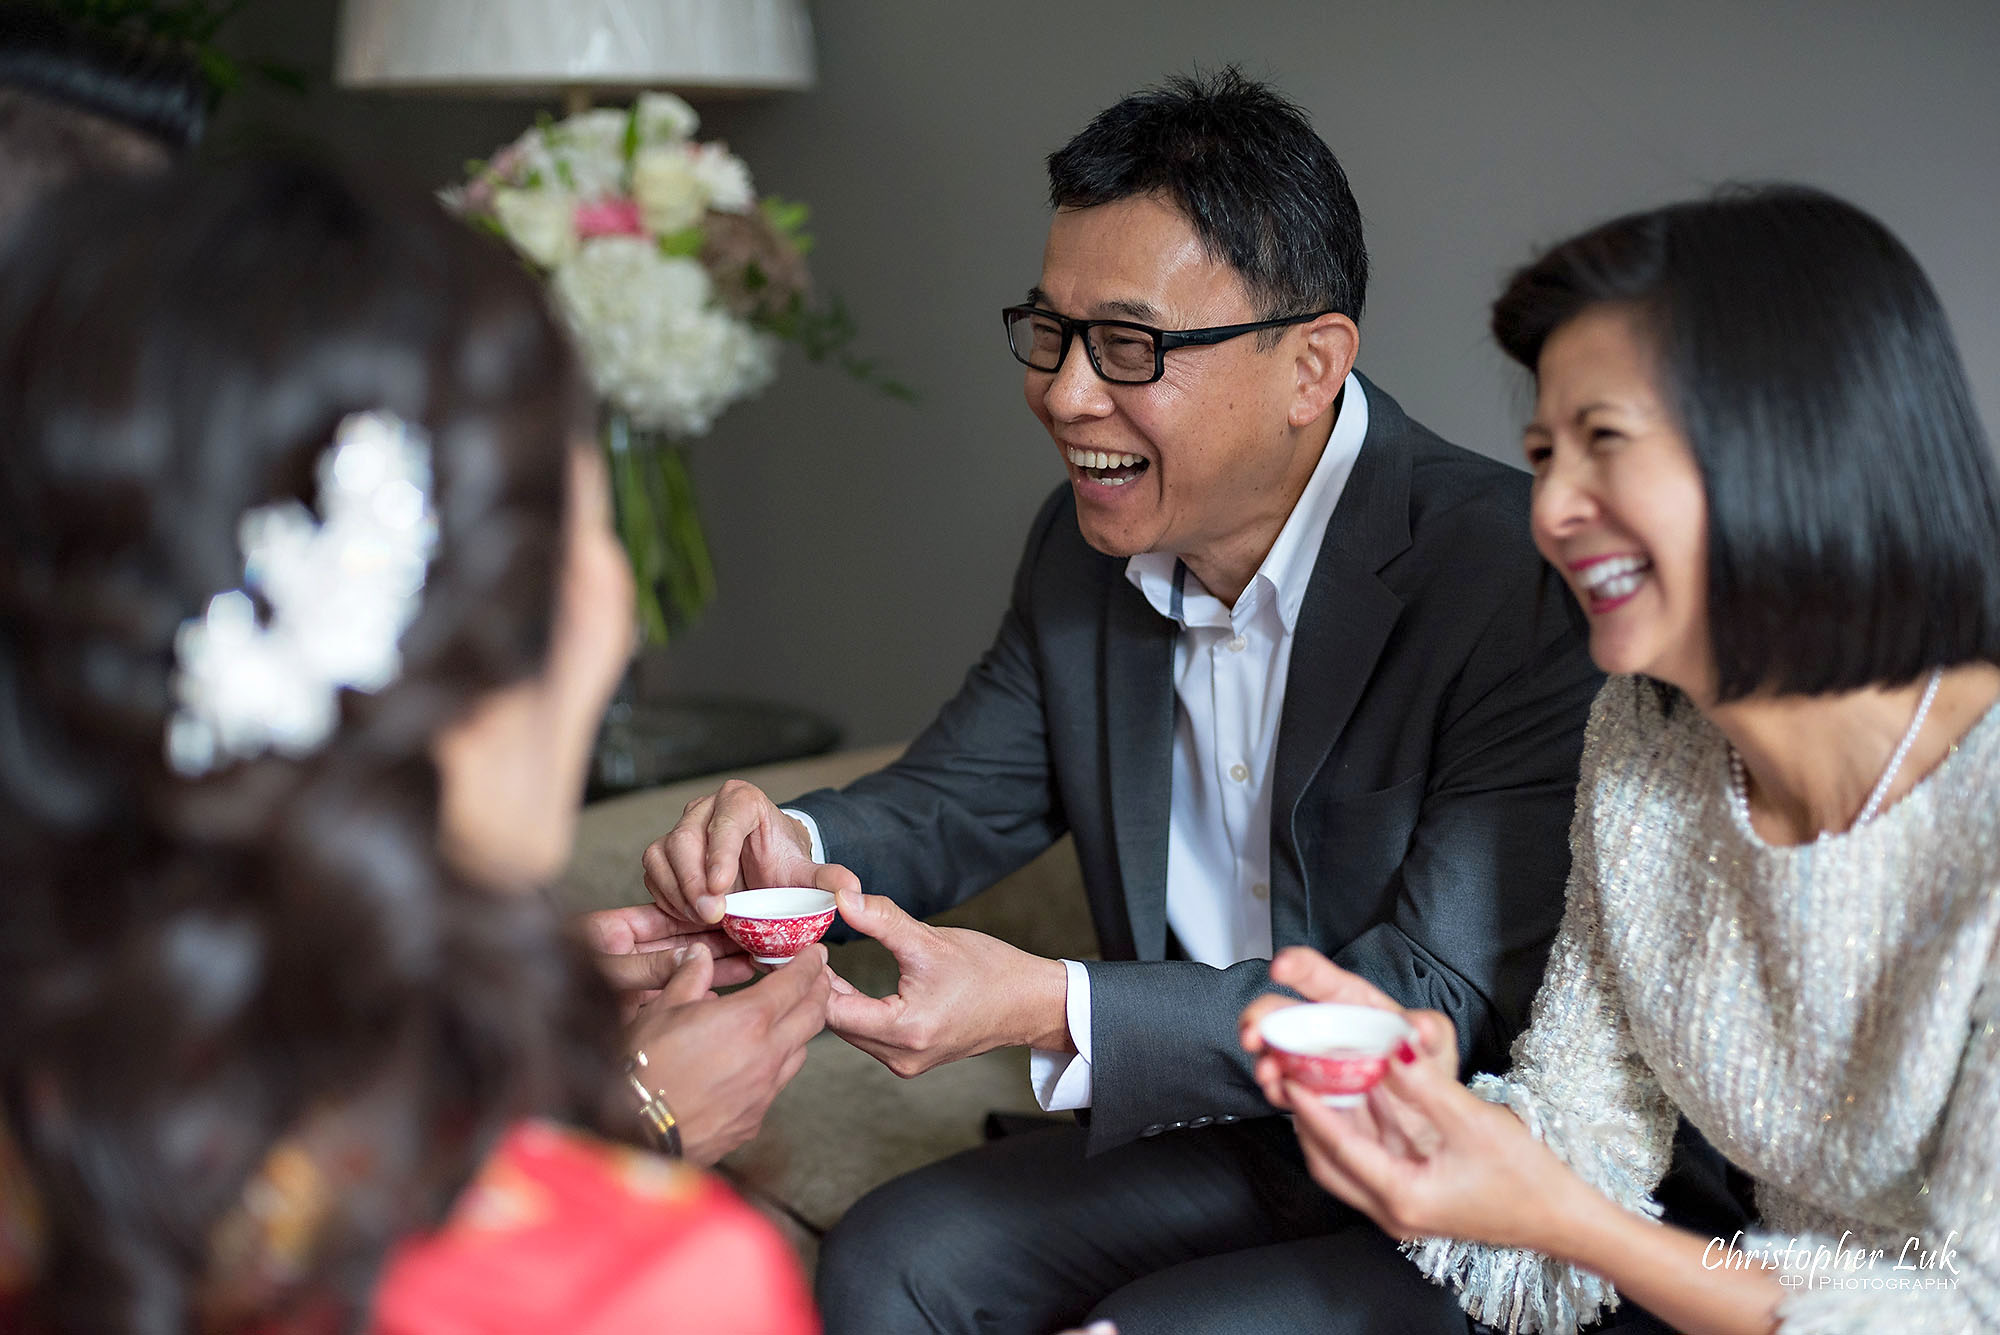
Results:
1326 354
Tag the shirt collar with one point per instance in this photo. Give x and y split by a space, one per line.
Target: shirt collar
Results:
1287 568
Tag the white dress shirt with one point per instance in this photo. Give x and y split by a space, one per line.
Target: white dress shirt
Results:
1230 667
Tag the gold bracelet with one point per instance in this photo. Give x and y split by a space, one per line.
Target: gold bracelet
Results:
653 1110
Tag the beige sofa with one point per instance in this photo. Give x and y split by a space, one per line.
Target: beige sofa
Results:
845 1123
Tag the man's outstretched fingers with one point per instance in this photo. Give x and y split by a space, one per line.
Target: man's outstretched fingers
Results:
736 813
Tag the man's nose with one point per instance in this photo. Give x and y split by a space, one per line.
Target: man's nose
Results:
1074 390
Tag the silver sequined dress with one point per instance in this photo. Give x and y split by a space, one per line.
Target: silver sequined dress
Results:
1826 1015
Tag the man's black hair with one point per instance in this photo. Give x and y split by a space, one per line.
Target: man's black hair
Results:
1244 166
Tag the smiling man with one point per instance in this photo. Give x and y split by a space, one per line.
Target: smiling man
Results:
1287 667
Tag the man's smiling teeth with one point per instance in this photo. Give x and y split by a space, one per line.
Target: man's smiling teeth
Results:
1615 578
1105 466
1100 459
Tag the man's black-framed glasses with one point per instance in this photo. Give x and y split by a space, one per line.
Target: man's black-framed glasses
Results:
1121 351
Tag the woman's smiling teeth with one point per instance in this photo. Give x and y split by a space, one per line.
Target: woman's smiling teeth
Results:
1110 468
1618 577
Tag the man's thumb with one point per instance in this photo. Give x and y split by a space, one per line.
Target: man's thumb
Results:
873 915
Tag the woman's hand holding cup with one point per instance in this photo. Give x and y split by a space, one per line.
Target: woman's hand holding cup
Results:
1317 979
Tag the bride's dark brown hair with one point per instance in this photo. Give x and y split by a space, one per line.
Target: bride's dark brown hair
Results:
191 970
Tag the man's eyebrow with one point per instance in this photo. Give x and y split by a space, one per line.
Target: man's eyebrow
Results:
1135 310
1131 310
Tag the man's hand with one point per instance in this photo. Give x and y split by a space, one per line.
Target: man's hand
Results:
719 1061
733 839
639 948
961 993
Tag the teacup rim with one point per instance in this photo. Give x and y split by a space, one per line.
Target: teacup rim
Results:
827 907
1397 1026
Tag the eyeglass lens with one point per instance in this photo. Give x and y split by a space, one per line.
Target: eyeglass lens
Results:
1117 352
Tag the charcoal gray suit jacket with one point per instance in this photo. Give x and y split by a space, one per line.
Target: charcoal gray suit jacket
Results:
1425 770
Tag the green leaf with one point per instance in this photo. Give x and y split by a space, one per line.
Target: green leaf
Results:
474 166
788 216
565 174
685 243
219 70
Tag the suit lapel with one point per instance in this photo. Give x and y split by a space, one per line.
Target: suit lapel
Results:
1138 695
1344 622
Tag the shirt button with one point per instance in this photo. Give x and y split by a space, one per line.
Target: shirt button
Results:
1239 772
1260 891
1237 644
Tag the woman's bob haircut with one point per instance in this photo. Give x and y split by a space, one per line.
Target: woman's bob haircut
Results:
1853 510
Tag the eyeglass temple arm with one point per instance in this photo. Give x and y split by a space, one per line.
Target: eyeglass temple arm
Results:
1170 338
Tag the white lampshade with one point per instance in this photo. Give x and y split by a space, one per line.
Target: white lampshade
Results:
541 47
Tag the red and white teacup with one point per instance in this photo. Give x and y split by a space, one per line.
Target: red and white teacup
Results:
1338 1052
776 924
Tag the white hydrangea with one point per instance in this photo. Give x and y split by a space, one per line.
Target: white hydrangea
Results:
657 345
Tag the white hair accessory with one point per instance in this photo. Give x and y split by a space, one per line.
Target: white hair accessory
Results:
340 592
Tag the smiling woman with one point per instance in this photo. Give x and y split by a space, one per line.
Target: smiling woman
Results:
1757 465
1795 348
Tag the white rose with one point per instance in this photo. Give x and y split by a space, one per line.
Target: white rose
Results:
664 118
669 189
725 177
540 223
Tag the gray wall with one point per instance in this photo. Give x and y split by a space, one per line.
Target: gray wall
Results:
864 546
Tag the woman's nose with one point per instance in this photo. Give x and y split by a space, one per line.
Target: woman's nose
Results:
1563 500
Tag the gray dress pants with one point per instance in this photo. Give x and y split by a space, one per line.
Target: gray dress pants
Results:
1215 1230
1218 1229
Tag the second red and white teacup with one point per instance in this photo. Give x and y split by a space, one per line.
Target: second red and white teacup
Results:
777 923
1339 1052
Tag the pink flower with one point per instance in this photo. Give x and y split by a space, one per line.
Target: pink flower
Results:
615 216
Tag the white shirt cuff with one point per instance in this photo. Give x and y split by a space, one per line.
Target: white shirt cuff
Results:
812 831
1061 1080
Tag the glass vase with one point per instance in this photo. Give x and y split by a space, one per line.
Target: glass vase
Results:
658 521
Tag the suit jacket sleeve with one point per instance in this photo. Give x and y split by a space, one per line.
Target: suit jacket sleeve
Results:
1477 895
973 798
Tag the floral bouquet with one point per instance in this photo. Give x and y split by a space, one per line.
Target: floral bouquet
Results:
678 283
